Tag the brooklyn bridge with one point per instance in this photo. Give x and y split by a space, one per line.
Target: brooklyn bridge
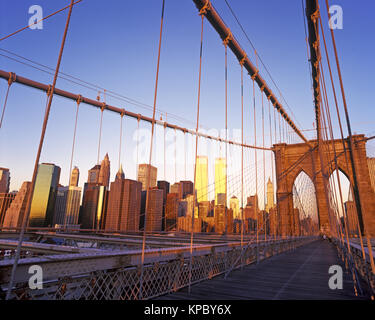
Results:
263 209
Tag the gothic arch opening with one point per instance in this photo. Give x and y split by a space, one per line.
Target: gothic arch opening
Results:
342 203
304 216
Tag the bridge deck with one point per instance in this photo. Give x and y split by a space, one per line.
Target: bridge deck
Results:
300 274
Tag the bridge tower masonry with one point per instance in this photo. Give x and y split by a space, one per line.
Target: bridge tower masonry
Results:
292 159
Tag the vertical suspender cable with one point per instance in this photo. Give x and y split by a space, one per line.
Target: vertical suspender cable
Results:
73 145
120 146
265 217
175 155
165 174
46 115
355 182
150 157
100 132
242 208
256 175
226 136
202 12
10 81
138 120
340 124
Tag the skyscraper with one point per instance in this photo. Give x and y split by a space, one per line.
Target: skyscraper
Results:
124 204
60 205
220 178
74 177
175 188
5 202
201 178
185 188
144 171
234 204
16 212
270 196
105 172
4 180
171 211
93 175
94 205
44 197
154 210
68 201
67 205
164 185
95 196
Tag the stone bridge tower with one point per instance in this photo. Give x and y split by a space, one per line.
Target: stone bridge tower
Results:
292 159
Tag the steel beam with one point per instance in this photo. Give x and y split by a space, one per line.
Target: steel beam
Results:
101 105
225 34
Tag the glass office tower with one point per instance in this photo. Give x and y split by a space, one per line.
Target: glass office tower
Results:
43 203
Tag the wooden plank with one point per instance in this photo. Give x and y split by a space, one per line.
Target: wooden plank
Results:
299 274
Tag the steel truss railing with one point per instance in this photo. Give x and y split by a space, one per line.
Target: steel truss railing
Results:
116 276
355 259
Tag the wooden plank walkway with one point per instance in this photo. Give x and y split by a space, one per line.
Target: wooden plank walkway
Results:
299 274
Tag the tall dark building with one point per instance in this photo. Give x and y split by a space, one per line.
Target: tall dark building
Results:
164 185
124 204
95 195
44 197
94 205
171 212
154 210
4 180
5 201
186 188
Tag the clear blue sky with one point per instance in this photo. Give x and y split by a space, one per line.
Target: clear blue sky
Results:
114 44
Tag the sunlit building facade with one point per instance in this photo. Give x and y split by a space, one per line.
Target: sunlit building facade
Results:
234 204
154 210
147 175
220 179
74 177
270 196
201 178
16 211
44 197
5 202
67 205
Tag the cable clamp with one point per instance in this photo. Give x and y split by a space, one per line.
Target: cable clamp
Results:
255 74
12 78
103 106
242 61
49 91
315 15
262 88
122 112
205 8
228 38
79 99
